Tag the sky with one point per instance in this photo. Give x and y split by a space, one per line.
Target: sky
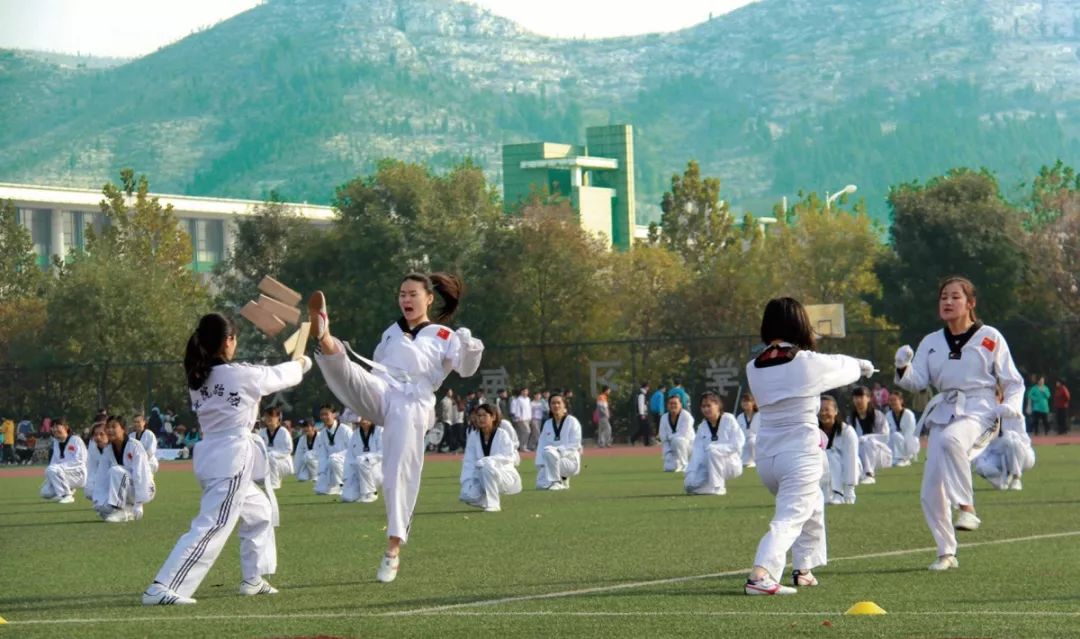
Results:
129 28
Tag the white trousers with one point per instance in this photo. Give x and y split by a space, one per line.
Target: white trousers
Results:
946 482
749 449
363 478
61 481
225 502
490 480
557 465
905 447
113 491
839 475
331 475
799 522
603 433
154 463
280 466
676 454
1007 455
875 453
709 478
309 467
405 420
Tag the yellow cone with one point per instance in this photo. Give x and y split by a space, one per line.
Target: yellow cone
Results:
865 608
2 621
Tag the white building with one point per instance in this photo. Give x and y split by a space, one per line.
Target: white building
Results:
58 217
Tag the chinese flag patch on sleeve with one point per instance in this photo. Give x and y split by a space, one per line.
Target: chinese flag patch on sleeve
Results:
71 449
131 456
988 344
445 334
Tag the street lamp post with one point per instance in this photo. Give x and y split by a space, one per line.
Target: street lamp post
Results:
829 199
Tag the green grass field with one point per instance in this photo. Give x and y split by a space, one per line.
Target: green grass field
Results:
623 553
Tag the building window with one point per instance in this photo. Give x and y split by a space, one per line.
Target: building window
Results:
207 243
74 228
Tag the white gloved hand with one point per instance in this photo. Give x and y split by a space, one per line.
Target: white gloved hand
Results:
137 511
866 367
1004 411
305 364
904 355
464 334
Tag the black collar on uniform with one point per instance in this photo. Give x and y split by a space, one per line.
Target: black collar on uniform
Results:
956 342
486 444
411 332
366 438
311 441
557 426
271 435
331 434
119 454
63 444
776 355
713 428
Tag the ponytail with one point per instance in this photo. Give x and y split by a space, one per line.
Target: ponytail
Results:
449 288
204 348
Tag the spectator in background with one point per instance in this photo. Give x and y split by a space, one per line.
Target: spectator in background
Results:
46 426
1061 406
502 403
657 406
24 426
603 418
537 415
24 448
881 397
641 411
8 441
678 390
155 423
521 415
1039 396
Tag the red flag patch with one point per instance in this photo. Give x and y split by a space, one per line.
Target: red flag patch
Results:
131 456
71 449
989 344
443 333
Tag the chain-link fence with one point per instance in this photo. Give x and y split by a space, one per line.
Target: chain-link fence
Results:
701 363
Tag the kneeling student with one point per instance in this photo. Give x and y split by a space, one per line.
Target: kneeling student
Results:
842 452
558 452
95 458
676 435
717 453
488 469
305 459
67 467
331 446
146 437
903 435
1007 457
873 431
363 471
278 447
125 482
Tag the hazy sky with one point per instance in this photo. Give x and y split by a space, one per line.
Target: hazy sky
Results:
128 28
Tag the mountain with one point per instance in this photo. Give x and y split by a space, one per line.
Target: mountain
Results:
298 96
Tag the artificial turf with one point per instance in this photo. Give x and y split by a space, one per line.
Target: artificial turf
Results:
652 562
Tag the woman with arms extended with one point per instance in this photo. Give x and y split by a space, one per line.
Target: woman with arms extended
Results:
787 380
410 363
229 460
964 362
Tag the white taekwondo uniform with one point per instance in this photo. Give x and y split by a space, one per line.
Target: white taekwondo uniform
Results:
67 468
716 456
676 440
279 451
558 453
488 469
363 472
332 447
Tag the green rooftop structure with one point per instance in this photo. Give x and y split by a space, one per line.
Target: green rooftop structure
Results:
597 178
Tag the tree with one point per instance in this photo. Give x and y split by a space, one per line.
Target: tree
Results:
955 224
22 285
132 298
696 223
1055 192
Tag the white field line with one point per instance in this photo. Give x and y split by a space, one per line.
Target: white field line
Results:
455 610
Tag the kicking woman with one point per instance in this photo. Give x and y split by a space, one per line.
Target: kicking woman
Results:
410 363
965 362
228 461
787 380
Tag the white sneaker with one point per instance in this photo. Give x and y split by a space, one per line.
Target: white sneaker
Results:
159 595
557 486
948 562
868 480
66 499
388 569
1015 484
836 499
966 521
116 516
902 463
751 465
767 586
800 578
262 587
492 509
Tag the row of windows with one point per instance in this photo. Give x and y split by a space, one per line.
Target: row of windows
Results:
207 236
